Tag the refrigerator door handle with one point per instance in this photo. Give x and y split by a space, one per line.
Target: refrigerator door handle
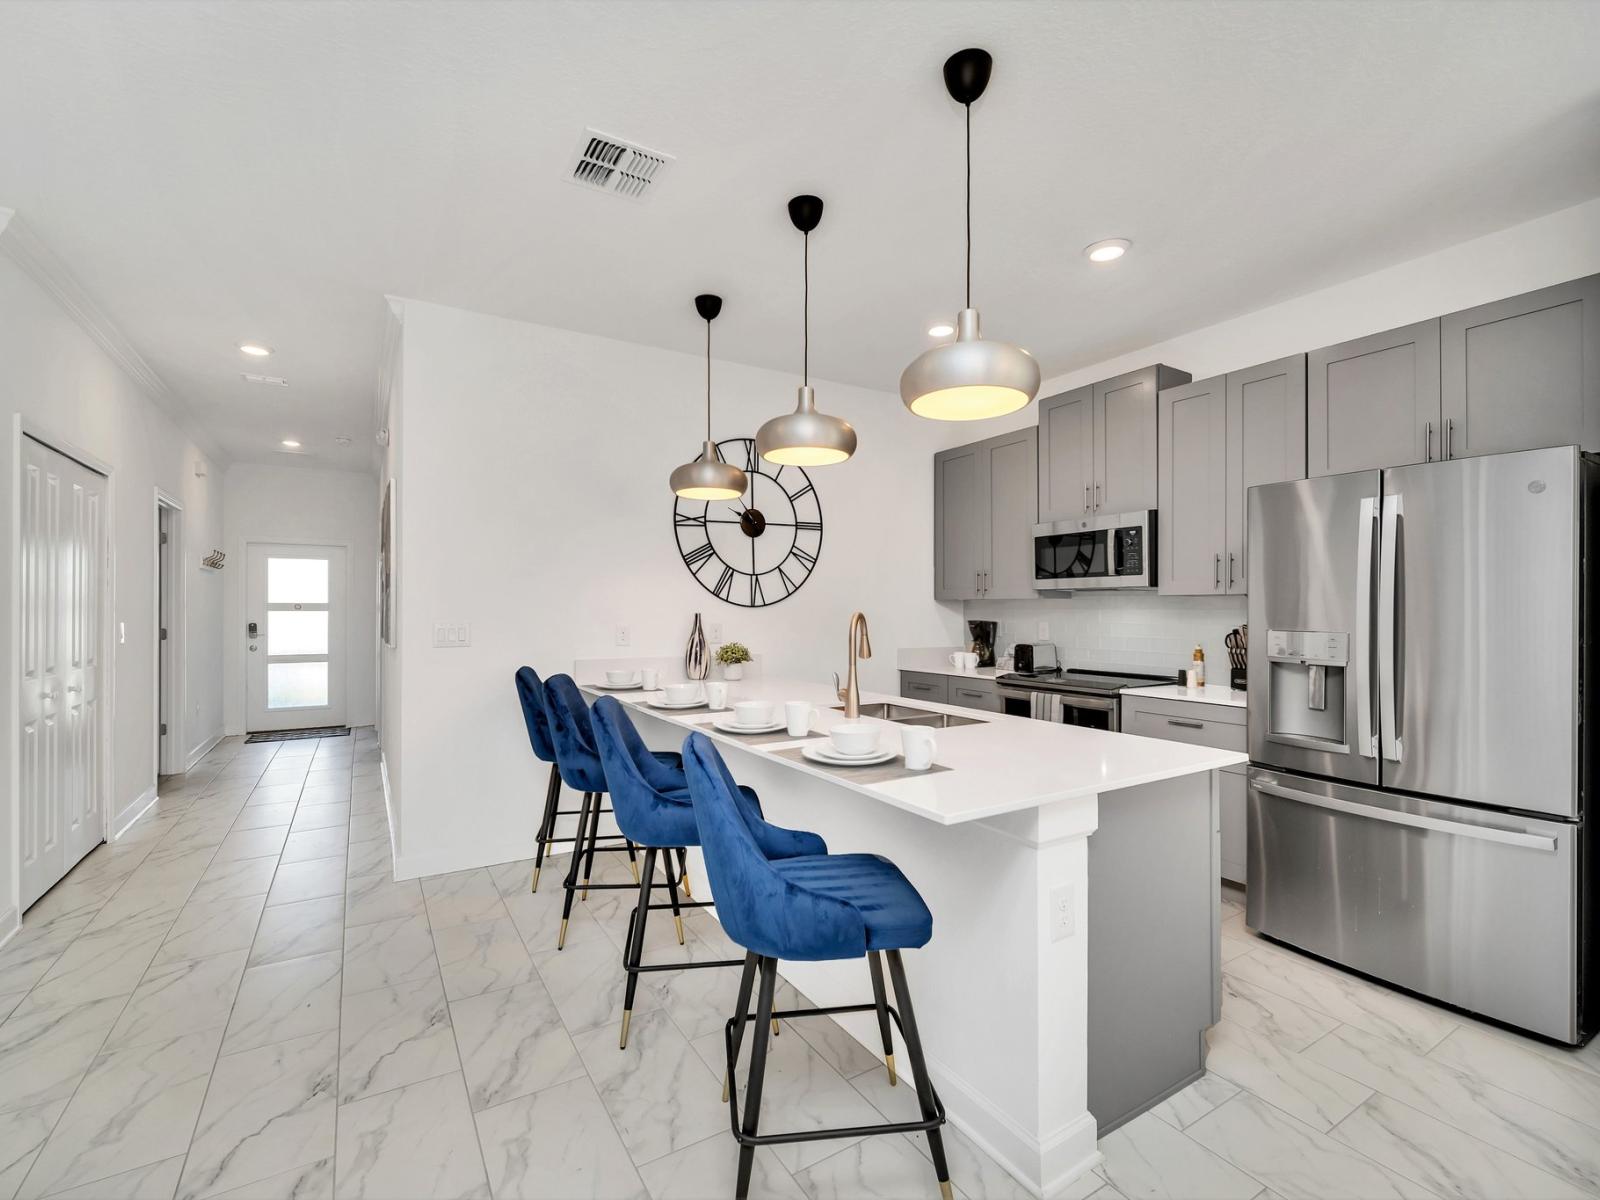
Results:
1482 833
1389 636
1366 739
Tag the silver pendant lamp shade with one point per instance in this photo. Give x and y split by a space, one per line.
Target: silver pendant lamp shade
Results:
806 437
708 477
971 378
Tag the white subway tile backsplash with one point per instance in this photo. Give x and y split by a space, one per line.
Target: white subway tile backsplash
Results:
1127 630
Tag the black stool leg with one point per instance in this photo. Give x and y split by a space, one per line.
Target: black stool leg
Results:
919 1067
672 892
635 952
594 834
747 979
552 800
633 861
571 882
758 1071
875 965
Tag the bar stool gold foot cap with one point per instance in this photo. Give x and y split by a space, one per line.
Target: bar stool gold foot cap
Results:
945 1190
888 1061
627 1016
535 886
561 940
679 920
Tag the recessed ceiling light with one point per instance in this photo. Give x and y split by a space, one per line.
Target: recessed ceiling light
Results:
941 330
254 349
290 444
1108 250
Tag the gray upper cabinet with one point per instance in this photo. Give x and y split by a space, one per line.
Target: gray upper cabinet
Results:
1218 438
1266 444
1125 438
1374 402
1066 455
1523 373
1193 487
985 504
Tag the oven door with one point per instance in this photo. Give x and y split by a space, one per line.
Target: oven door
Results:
1065 708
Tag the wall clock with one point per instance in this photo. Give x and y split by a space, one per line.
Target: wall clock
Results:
761 548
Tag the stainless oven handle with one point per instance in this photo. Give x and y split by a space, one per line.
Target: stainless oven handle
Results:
1090 702
1482 833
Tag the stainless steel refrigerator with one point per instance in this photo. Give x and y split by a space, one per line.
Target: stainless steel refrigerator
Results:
1422 729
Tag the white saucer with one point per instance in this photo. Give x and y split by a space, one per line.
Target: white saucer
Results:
620 687
728 726
823 752
668 705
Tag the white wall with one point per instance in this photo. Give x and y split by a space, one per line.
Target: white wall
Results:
391 420
304 504
1159 632
535 506
67 388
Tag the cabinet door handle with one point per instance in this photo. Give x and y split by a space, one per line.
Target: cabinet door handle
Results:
1186 724
1450 438
1230 568
1427 446
1087 505
1216 581
1097 497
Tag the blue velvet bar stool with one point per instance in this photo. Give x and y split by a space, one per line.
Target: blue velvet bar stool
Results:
807 908
654 812
530 691
579 762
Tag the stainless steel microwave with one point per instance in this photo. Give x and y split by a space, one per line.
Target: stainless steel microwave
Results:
1113 551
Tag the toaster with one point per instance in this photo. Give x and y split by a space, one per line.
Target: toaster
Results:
1035 658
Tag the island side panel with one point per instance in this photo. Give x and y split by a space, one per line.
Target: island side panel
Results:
1153 880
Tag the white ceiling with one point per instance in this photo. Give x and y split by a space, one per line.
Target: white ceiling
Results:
216 171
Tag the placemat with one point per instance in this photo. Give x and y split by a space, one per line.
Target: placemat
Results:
887 772
768 739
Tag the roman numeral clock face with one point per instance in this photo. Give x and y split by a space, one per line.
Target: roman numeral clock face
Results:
759 549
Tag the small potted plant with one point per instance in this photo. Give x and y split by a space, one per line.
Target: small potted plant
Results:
733 656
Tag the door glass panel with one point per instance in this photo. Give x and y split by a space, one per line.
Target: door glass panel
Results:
297 632
297 685
297 581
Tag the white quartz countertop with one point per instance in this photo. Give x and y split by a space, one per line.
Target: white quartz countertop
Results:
997 765
989 673
1211 693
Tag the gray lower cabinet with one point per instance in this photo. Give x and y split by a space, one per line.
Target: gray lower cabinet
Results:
1522 373
1066 455
925 685
1201 724
1374 401
974 693
1218 438
985 504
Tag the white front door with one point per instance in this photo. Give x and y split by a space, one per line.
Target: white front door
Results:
294 637
63 555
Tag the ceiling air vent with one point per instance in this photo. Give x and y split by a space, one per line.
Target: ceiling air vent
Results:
609 164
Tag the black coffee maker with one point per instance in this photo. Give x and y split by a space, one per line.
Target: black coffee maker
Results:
983 635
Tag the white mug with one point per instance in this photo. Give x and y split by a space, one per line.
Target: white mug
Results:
717 694
651 678
919 746
798 714
964 660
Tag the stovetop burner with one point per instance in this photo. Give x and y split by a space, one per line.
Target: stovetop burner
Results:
1079 679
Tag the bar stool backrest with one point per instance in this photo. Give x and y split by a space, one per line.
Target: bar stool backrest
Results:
638 781
573 735
531 692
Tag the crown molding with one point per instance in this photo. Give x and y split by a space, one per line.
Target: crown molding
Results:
24 247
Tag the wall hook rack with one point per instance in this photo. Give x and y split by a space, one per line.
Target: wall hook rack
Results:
213 560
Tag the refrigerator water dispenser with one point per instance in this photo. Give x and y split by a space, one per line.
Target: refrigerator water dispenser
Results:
1307 685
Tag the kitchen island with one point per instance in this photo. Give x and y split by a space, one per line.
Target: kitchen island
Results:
1072 875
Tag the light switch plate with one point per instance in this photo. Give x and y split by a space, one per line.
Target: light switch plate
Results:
1044 631
714 631
452 635
624 638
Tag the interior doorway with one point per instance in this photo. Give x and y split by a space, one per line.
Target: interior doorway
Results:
61 571
294 636
168 636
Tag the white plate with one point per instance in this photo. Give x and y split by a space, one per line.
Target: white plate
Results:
823 753
667 704
728 726
620 687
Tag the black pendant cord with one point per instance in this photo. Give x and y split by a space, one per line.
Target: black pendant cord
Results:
708 382
805 319
969 205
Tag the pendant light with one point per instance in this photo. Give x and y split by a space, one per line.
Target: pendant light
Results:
708 477
970 378
806 437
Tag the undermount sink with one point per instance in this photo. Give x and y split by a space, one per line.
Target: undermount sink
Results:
907 714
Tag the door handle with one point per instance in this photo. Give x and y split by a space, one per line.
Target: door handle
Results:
1216 580
1427 446
1390 637
1230 568
1365 740
1482 833
1097 497
1450 438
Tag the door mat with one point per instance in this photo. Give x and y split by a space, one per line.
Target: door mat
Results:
294 735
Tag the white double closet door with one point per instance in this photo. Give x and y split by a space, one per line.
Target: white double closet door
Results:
63 581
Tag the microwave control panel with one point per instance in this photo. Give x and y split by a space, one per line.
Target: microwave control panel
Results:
1130 551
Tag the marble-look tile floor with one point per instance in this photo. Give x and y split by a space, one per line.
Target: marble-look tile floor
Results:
235 999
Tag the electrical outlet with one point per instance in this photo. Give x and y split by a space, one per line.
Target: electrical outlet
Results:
452 635
1062 916
1044 631
714 631
624 638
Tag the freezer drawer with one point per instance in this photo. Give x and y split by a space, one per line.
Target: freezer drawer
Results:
1475 908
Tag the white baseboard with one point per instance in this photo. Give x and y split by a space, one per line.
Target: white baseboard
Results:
203 749
10 925
132 812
